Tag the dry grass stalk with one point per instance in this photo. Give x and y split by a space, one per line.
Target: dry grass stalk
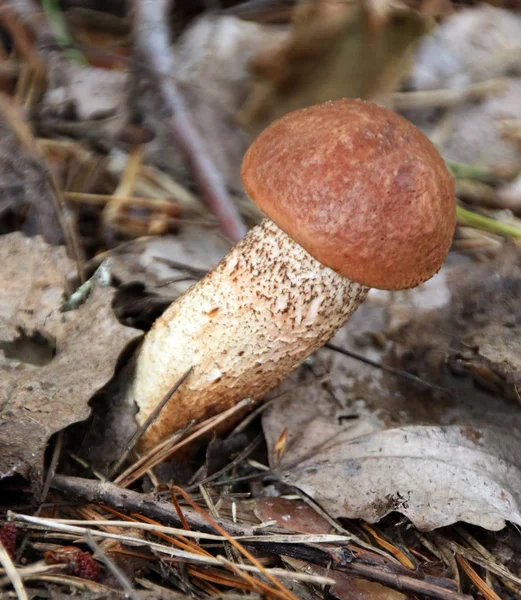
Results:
12 574
447 98
166 551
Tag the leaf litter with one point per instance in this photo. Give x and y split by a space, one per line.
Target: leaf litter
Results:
363 442
41 396
436 458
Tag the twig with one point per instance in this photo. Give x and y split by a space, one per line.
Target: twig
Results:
388 369
22 41
102 492
112 525
51 471
257 585
260 409
142 429
85 585
174 264
477 558
12 573
337 527
118 574
153 46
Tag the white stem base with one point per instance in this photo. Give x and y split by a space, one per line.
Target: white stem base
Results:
243 328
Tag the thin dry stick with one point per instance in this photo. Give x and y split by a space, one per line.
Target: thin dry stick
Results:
476 558
12 573
22 41
238 459
103 492
151 418
337 527
130 592
181 541
178 510
499 568
391 548
216 576
51 471
90 587
230 550
126 185
153 46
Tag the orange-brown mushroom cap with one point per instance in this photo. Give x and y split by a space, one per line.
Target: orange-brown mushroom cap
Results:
360 188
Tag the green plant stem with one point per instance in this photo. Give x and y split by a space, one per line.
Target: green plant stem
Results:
472 219
61 32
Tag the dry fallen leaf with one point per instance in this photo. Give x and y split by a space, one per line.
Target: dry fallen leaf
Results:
364 444
473 44
51 362
88 93
478 331
290 514
170 264
348 587
478 137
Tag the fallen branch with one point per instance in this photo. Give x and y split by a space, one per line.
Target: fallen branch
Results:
153 49
102 492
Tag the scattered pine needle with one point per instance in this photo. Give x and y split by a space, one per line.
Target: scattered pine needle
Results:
396 552
287 593
480 583
164 450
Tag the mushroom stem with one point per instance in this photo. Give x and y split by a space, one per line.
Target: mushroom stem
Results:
243 328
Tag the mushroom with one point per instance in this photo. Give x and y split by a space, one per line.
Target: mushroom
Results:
356 197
